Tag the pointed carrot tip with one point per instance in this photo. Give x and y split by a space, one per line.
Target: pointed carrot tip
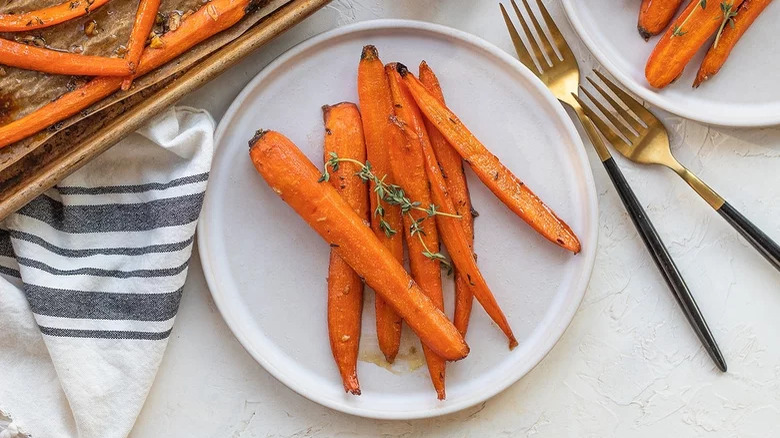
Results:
440 394
401 69
369 53
512 343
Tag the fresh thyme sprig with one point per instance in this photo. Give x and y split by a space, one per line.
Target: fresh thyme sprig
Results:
393 195
728 17
678 30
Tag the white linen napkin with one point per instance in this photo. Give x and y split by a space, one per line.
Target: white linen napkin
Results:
91 274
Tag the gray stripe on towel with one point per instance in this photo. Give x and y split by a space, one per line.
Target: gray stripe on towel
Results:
102 305
97 272
115 217
104 334
76 190
87 252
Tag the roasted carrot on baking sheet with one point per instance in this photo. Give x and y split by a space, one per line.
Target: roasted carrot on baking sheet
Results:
655 16
376 108
452 170
291 175
144 22
68 10
689 32
196 28
62 63
422 239
344 137
411 121
505 185
730 36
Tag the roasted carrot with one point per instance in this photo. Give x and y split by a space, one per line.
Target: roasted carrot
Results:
411 121
344 137
60 63
698 22
505 185
655 16
291 175
376 106
144 21
408 167
193 30
720 51
50 16
451 165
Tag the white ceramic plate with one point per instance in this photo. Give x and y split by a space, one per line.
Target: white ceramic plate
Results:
267 269
746 92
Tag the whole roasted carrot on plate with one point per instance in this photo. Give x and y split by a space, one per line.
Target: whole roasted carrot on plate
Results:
210 19
291 175
422 239
68 10
376 107
411 121
505 185
451 165
144 22
655 16
730 36
61 63
698 22
344 137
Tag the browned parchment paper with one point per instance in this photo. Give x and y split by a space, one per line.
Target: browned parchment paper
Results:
23 91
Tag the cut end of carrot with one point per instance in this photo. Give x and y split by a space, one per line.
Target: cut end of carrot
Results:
646 34
369 53
440 394
401 69
258 135
351 385
512 343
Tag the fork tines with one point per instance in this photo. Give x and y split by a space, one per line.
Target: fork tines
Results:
543 53
628 119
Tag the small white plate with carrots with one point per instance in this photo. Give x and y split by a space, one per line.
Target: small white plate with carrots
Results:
360 184
713 61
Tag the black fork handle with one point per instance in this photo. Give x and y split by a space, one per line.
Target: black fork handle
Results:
665 263
760 241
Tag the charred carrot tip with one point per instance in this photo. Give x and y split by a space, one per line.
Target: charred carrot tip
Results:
401 69
644 33
369 53
258 135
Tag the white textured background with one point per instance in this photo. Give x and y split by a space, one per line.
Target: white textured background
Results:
629 365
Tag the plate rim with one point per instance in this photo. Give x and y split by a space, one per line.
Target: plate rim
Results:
757 119
591 231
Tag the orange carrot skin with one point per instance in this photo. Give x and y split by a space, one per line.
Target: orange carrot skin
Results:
408 165
452 232
46 17
505 185
144 22
451 165
344 136
716 56
381 136
672 53
193 30
60 63
291 175
655 16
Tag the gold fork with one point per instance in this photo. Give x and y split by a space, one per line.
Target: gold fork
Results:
642 138
562 77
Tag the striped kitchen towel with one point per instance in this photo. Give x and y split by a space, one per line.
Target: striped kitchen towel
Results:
91 274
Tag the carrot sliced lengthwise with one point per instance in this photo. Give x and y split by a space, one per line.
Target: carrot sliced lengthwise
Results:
60 63
290 174
50 16
144 21
344 137
718 53
655 16
196 28
452 170
505 185
376 106
408 166
683 39
411 120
